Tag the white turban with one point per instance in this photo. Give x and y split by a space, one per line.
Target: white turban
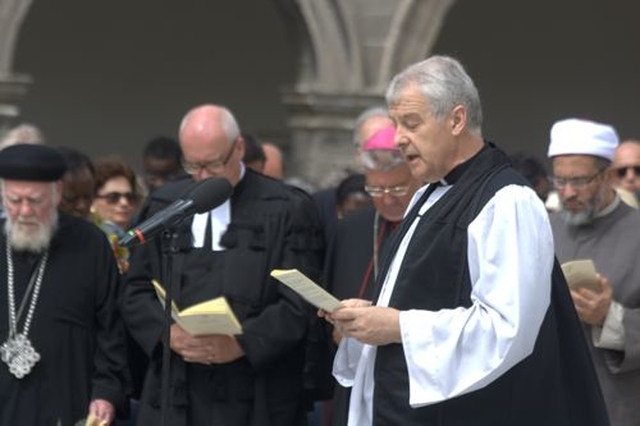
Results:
575 136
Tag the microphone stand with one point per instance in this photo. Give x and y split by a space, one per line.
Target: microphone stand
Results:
169 249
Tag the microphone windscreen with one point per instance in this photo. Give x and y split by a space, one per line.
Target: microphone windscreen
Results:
210 193
186 193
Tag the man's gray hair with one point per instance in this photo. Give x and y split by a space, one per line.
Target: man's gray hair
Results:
445 84
382 159
23 133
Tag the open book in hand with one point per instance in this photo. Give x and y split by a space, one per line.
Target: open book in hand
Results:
210 317
581 273
305 287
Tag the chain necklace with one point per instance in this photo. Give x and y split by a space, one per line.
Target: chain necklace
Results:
18 352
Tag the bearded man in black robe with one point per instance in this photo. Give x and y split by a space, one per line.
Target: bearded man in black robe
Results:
62 345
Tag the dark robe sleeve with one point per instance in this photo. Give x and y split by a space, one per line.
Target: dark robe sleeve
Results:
111 380
296 241
140 308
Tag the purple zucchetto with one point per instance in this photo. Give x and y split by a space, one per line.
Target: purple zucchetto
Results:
380 151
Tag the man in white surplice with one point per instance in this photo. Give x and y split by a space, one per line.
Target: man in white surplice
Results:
470 333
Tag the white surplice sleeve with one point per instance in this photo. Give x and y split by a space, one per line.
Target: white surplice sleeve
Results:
510 256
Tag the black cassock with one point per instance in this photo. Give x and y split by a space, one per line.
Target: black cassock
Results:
272 226
76 329
349 268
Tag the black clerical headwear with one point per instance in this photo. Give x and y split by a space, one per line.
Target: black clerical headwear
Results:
30 162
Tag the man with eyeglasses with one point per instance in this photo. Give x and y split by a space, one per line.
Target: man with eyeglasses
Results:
594 224
251 379
366 124
353 256
350 271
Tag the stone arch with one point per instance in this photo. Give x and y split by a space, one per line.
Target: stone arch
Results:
348 50
421 21
357 45
12 14
12 87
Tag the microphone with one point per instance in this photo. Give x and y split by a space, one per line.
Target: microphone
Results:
199 197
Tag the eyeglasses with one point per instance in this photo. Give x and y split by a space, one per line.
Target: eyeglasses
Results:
622 171
380 191
114 197
578 182
212 167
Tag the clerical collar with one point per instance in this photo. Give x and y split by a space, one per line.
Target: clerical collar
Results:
454 175
207 228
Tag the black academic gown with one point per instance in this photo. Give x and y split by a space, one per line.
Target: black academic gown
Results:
272 226
325 200
76 329
554 385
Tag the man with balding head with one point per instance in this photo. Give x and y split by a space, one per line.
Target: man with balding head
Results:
255 378
626 163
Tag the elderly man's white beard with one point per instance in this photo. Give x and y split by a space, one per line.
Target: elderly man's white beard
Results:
29 234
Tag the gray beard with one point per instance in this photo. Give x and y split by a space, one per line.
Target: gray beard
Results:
585 216
34 241
581 218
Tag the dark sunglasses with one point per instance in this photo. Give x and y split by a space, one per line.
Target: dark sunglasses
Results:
622 171
114 197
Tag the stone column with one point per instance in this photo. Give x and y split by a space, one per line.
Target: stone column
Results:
321 127
13 87
348 50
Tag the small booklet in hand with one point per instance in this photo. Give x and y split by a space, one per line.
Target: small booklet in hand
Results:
581 273
305 287
210 317
91 421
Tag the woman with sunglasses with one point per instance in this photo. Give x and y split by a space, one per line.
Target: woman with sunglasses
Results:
117 198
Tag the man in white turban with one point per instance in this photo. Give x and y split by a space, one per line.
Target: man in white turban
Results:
594 224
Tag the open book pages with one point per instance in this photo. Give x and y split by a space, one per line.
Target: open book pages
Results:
581 273
213 316
305 287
